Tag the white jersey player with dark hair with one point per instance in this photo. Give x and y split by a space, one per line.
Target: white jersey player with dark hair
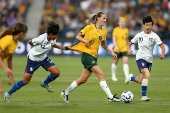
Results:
146 41
37 57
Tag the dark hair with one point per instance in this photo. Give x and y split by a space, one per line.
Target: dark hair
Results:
53 28
147 19
15 30
94 18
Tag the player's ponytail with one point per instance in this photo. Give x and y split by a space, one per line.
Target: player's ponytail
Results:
90 20
8 31
94 18
14 30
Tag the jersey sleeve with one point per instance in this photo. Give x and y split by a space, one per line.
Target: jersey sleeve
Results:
38 40
135 39
158 40
85 30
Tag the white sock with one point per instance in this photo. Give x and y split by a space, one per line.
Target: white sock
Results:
106 89
145 82
113 70
71 87
144 87
126 69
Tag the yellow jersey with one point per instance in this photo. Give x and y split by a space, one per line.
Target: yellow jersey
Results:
94 36
121 38
8 46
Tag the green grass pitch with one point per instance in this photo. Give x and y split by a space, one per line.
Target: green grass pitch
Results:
89 97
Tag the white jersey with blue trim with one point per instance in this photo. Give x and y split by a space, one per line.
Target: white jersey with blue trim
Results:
40 48
146 43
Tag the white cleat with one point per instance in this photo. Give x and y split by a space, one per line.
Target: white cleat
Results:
114 99
6 97
64 96
114 79
128 79
145 99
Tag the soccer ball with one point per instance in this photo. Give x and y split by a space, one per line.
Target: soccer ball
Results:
127 96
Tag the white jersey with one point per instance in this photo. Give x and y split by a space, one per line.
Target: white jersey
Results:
40 48
146 43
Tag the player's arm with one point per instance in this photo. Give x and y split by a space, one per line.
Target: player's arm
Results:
9 62
7 71
104 45
115 43
161 56
30 42
10 66
130 52
80 38
57 46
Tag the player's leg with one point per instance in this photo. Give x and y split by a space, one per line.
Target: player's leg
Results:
88 61
114 68
144 84
125 65
26 79
83 78
97 70
139 78
54 73
31 67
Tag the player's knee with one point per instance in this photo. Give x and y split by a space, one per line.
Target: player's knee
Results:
81 81
57 74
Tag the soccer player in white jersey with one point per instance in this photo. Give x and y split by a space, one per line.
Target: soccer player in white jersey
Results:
146 41
38 57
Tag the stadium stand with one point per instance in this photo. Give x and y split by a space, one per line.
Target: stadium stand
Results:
71 14
12 11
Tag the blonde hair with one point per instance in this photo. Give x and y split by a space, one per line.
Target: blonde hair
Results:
122 18
94 18
15 30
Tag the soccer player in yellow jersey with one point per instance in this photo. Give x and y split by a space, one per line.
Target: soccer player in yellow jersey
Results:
90 38
120 40
8 43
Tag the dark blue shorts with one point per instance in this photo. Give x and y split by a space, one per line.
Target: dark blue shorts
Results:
32 66
143 64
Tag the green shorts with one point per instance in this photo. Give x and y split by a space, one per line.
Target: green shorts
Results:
88 60
121 54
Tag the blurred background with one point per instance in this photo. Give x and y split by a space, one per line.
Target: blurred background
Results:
71 16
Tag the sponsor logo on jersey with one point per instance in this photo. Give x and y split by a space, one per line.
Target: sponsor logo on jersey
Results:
100 37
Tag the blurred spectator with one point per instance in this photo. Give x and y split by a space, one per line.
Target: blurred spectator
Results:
70 14
12 11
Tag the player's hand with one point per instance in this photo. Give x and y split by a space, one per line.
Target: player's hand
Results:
161 56
130 52
114 56
8 72
87 44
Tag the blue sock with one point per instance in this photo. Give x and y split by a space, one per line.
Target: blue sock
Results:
50 78
16 87
144 89
133 79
